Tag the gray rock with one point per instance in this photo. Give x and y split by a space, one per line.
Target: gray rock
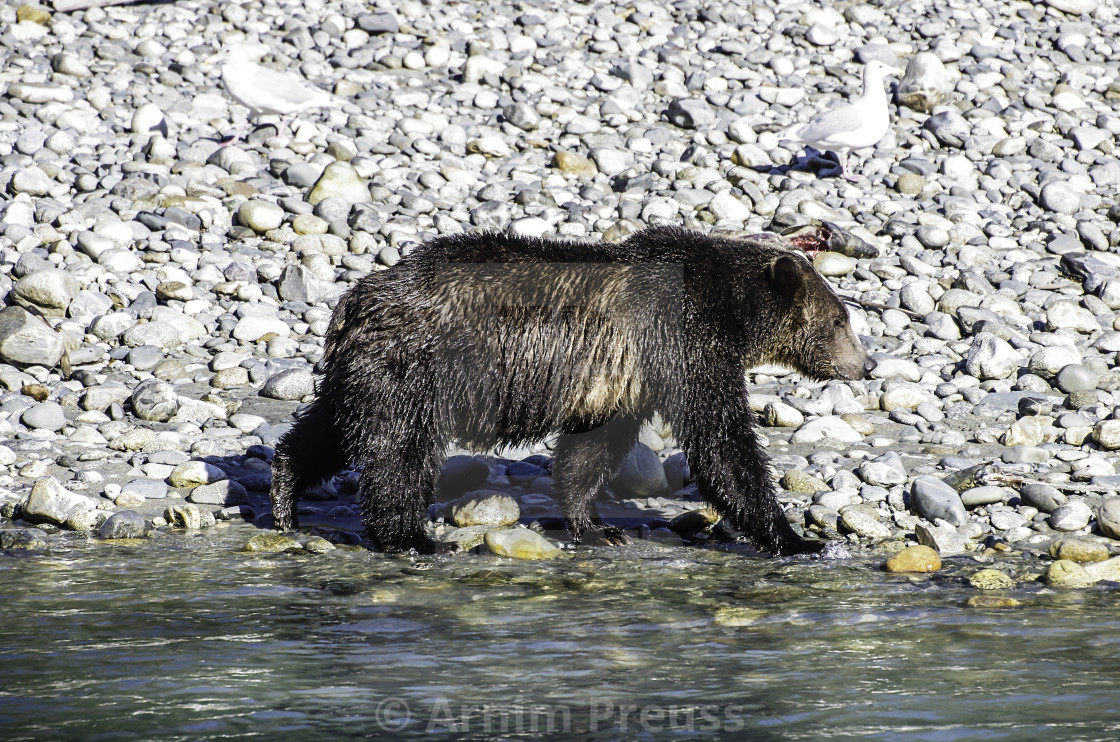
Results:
149 489
145 357
863 521
339 180
990 357
379 23
293 384
942 538
260 216
1108 518
986 495
1073 516
270 434
45 416
884 470
226 492
298 283
155 400
100 396
50 291
1059 197
50 502
1076 378
484 508
523 116
691 113
949 128
926 83
1045 497
641 474
934 500
25 340
124 524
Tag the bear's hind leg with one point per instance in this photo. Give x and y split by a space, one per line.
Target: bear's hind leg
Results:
309 452
584 462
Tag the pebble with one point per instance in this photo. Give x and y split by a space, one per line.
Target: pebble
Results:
194 473
185 284
293 384
260 216
225 492
25 340
826 428
1045 497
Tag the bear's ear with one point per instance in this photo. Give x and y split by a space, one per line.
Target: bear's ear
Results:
787 274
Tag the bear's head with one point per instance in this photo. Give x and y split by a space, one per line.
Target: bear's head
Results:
817 337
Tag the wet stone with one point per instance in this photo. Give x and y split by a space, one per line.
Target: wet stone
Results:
1079 550
1064 573
520 543
914 559
123 524
991 579
272 543
485 508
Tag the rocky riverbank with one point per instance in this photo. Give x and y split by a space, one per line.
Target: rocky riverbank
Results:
164 297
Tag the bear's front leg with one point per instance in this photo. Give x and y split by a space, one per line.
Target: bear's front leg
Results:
716 429
398 480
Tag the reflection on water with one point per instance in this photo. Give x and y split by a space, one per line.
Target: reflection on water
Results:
190 639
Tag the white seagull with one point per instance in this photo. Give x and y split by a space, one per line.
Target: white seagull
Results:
854 125
265 91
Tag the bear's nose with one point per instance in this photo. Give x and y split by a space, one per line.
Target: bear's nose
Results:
869 365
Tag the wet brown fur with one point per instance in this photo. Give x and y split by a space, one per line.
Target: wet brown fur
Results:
496 340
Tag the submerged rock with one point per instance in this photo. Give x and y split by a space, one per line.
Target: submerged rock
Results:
520 543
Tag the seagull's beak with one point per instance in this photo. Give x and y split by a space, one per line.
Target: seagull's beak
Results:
212 59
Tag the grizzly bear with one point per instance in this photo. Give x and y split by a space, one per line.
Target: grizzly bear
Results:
494 340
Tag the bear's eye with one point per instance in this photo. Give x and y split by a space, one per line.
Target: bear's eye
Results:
838 322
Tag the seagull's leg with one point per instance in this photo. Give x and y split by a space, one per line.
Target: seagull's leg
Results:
844 169
236 137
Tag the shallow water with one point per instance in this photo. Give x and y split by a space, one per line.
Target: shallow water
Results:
190 639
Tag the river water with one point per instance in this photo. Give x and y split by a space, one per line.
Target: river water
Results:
188 638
